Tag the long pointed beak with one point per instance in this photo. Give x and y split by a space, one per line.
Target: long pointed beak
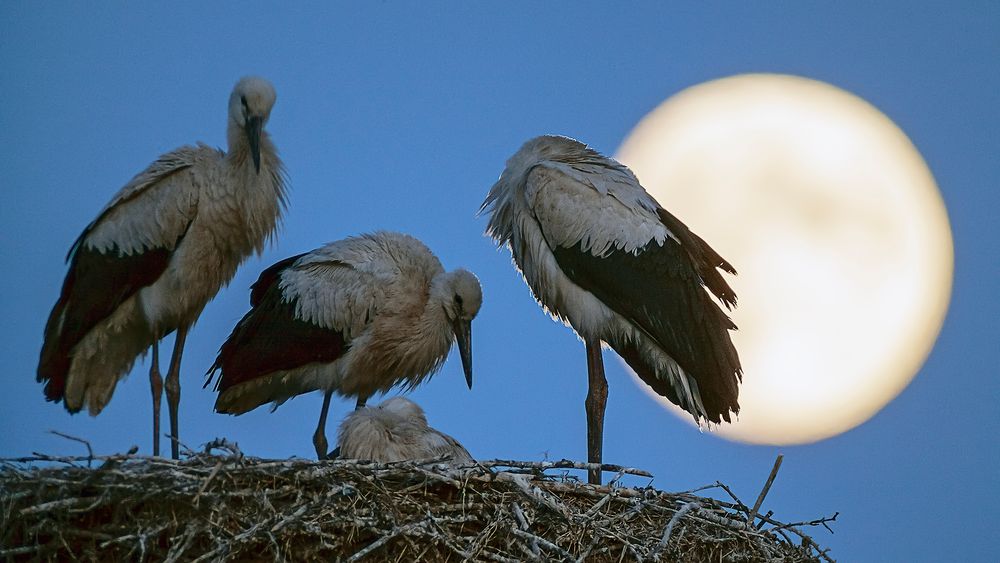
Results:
463 334
253 127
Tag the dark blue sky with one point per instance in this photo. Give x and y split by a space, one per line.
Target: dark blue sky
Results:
401 117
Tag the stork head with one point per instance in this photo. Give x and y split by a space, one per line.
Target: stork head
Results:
461 296
249 109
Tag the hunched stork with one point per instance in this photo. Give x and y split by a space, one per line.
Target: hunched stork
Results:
395 430
356 317
157 254
601 255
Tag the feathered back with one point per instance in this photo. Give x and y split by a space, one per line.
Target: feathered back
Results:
396 430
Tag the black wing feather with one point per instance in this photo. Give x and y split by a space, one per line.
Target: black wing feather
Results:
705 259
97 283
660 291
271 338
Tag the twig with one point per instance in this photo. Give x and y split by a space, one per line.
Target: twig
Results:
739 503
178 548
52 505
688 507
614 480
181 445
564 464
23 550
763 492
382 541
204 485
90 450
534 493
223 444
287 519
523 523
597 506
723 521
816 522
544 543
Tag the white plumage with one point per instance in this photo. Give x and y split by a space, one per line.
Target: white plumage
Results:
396 430
356 317
157 254
600 254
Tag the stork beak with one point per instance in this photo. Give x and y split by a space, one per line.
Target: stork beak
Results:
463 334
253 127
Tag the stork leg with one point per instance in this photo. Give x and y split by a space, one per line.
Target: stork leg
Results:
173 387
319 438
597 399
156 386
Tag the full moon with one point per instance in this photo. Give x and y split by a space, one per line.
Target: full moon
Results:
836 227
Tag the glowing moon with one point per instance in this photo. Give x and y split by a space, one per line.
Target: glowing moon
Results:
836 227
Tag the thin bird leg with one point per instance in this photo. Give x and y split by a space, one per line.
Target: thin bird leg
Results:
173 386
361 403
597 398
156 385
319 438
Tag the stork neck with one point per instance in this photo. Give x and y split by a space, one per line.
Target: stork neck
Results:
434 324
239 147
236 138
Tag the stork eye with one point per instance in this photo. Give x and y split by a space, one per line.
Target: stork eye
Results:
243 100
458 300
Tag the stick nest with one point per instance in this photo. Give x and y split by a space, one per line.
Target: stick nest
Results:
232 507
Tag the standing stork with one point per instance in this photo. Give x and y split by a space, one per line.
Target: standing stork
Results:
157 254
356 317
601 255
396 430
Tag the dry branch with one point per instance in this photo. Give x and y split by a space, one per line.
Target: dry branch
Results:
767 487
232 507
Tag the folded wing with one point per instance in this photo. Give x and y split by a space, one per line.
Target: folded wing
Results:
649 268
297 319
127 247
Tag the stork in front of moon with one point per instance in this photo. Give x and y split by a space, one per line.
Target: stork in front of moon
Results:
601 255
355 317
157 254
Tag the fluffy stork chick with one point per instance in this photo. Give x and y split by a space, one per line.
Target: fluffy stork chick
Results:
157 254
396 430
355 317
601 255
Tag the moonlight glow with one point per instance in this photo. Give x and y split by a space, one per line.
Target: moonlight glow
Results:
838 232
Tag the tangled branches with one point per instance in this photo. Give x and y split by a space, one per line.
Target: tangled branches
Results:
210 507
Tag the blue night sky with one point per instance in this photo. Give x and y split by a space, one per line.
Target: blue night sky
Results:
401 115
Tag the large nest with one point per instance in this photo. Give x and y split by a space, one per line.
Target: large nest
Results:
211 507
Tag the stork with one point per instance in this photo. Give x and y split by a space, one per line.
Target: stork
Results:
601 255
157 254
355 317
396 430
